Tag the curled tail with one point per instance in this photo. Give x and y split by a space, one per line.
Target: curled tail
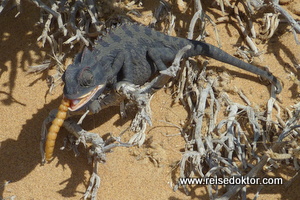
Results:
202 48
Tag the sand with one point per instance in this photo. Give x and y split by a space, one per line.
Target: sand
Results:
129 173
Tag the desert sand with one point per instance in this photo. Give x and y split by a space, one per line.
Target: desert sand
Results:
129 173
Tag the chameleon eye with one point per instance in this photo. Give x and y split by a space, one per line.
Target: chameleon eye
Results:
86 78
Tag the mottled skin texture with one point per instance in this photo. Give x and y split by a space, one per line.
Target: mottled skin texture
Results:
133 53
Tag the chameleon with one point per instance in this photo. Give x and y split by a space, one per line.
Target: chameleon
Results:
129 54
133 53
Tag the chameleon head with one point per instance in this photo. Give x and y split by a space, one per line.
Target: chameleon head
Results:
82 85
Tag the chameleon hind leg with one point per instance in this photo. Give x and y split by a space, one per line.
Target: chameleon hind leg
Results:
160 56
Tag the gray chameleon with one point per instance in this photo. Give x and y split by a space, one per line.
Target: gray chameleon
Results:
133 53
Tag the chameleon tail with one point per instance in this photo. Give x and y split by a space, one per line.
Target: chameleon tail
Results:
201 48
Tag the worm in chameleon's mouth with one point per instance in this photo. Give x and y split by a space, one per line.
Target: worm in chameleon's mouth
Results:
76 104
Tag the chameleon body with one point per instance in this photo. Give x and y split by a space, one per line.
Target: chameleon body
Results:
134 53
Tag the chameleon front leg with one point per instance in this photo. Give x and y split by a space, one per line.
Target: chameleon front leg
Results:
142 95
132 92
110 99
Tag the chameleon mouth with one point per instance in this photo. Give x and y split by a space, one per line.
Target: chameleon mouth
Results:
76 104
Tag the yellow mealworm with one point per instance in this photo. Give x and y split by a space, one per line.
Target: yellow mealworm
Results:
55 126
